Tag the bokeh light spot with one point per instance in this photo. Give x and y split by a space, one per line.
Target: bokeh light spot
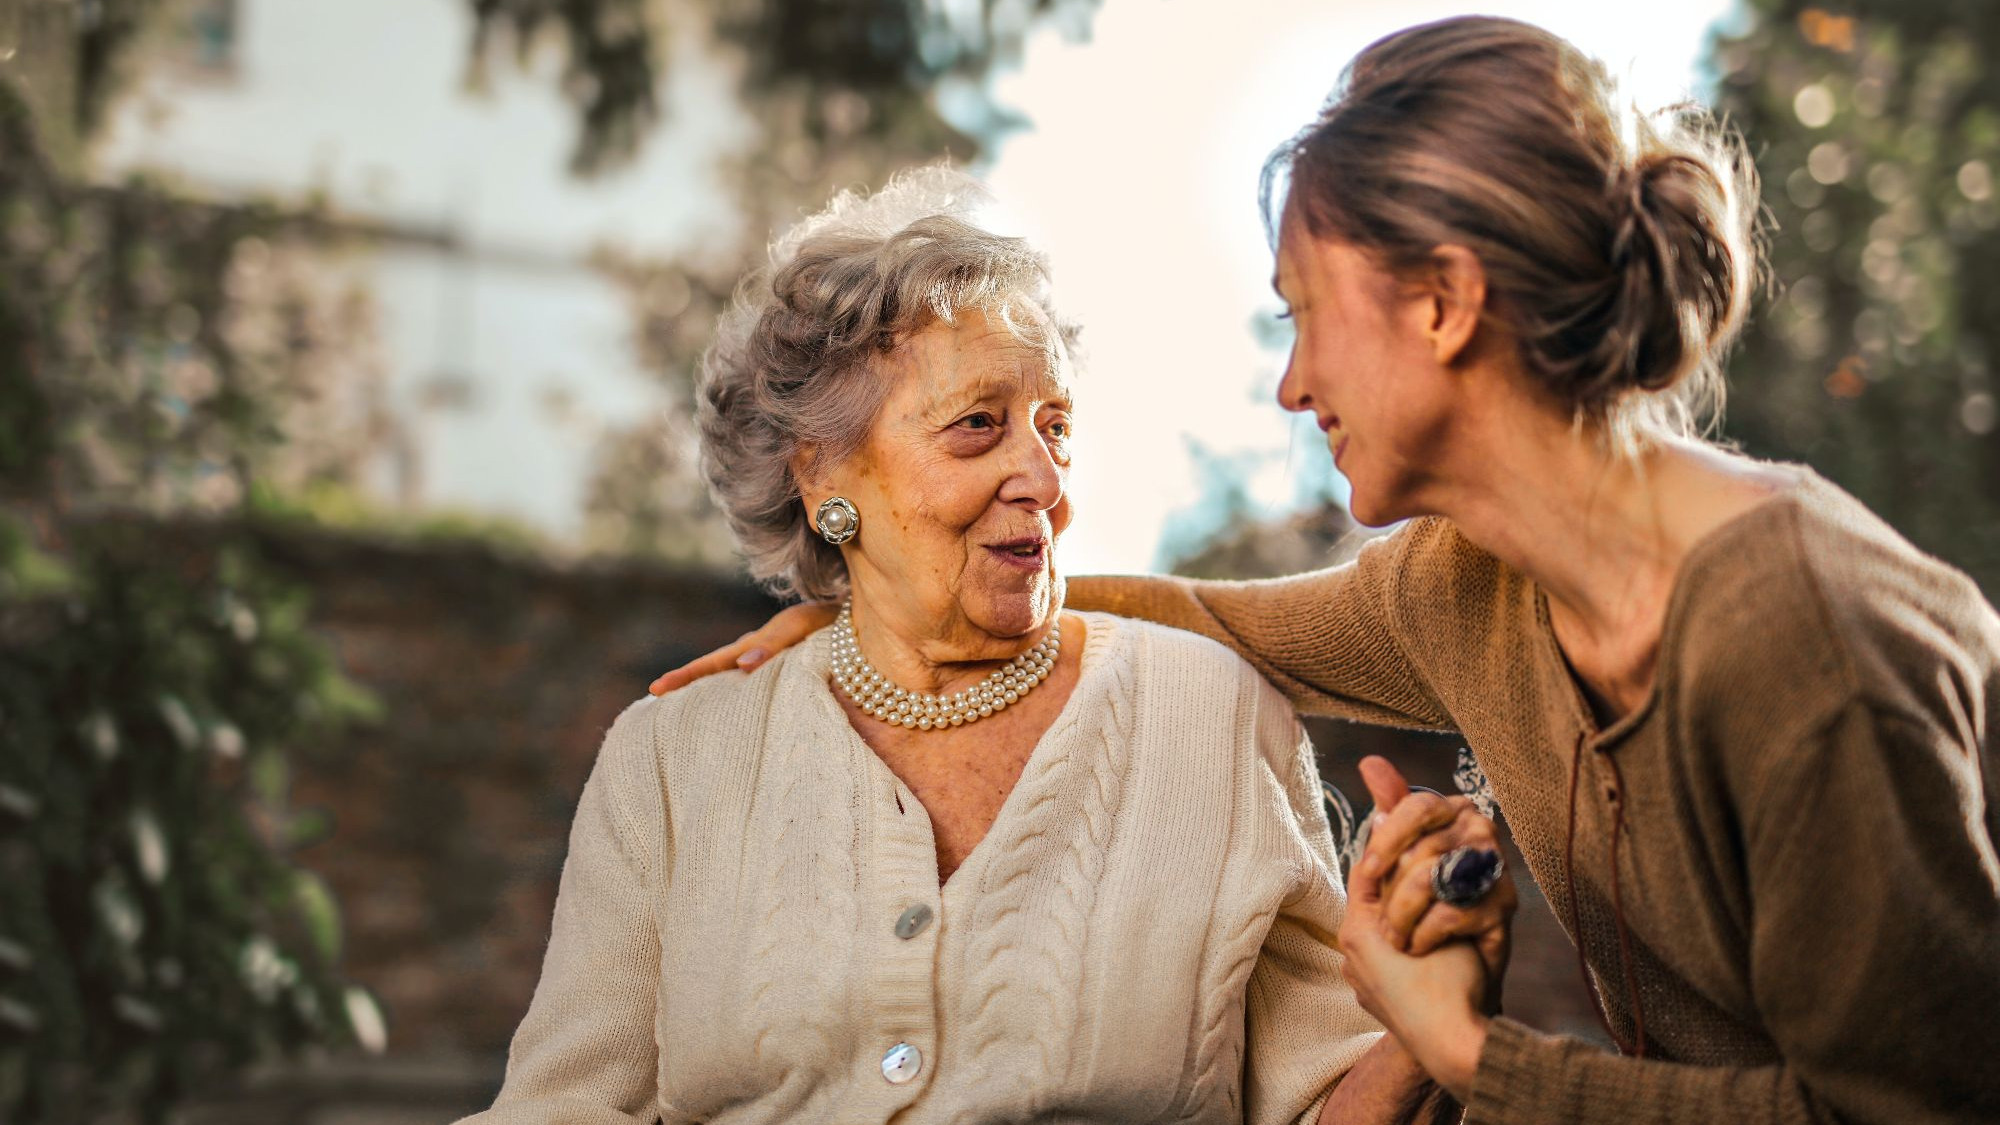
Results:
1813 105
1975 181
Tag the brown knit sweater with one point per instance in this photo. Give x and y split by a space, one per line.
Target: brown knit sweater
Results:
1806 864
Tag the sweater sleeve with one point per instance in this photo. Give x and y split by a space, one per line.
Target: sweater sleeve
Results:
586 1053
1304 1025
1875 930
1326 638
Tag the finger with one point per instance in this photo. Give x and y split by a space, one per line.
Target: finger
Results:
1422 837
1495 946
1360 948
1359 936
1407 890
1415 817
1386 784
1473 828
1364 884
1439 922
1467 829
1443 923
1409 896
1489 916
721 660
786 628
1360 918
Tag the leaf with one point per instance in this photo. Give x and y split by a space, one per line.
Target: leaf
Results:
320 913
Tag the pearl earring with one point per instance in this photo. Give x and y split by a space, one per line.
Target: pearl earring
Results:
838 520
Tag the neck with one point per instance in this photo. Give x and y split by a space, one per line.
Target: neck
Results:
1590 531
1604 535
930 661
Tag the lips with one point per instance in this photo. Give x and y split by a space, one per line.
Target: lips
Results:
1028 552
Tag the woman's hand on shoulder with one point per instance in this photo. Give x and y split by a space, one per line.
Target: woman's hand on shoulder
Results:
786 628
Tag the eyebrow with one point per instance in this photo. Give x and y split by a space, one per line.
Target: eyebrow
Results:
999 380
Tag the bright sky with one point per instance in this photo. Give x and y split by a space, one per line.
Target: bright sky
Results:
1139 177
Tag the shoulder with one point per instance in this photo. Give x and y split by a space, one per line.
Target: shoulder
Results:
1448 593
626 777
1816 602
1902 622
1155 652
1188 684
723 704
694 728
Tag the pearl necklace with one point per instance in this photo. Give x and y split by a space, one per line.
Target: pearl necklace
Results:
875 694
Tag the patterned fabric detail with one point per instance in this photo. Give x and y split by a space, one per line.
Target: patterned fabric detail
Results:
1347 837
1032 932
1471 780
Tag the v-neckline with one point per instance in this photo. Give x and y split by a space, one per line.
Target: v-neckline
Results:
1697 556
1098 631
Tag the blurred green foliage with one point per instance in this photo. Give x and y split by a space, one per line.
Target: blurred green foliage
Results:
1876 128
153 932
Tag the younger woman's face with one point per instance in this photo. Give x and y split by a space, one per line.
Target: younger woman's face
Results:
1364 364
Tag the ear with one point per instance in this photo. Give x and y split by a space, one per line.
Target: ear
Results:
810 476
1458 302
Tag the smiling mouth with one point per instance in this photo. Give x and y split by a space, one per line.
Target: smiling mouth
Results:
1021 552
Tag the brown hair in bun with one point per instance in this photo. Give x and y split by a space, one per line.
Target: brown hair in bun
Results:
1619 250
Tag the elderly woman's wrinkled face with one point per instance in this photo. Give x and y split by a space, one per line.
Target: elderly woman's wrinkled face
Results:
962 486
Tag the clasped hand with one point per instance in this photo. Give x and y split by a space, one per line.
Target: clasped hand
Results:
1429 971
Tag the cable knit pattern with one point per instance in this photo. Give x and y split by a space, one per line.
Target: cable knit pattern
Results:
1145 934
1049 871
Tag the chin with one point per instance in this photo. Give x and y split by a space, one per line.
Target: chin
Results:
1017 612
1365 513
1369 510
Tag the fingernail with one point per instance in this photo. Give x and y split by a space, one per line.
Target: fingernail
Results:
750 659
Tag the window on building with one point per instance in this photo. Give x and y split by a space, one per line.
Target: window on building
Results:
208 35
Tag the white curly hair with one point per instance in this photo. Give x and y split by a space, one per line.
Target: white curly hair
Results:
795 362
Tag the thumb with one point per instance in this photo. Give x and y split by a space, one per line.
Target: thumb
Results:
1385 782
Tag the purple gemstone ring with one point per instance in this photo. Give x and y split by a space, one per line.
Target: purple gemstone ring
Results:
1463 876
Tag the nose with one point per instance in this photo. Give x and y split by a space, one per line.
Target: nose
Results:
1291 389
1035 479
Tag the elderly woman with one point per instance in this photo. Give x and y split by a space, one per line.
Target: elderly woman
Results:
962 856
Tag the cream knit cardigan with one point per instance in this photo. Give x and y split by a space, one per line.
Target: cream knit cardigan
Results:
1145 934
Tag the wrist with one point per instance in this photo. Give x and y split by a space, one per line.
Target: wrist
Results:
1453 1057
